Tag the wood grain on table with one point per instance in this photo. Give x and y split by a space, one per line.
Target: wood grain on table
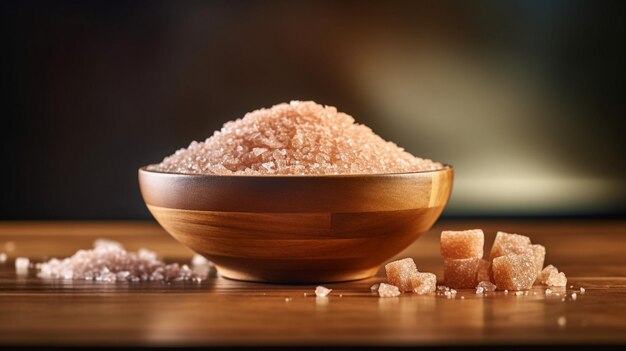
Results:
225 312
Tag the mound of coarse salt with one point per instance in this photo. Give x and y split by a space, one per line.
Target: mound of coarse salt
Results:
109 262
299 138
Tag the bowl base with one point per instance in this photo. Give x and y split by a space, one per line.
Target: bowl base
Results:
308 277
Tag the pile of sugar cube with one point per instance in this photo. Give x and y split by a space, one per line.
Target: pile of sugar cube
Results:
514 264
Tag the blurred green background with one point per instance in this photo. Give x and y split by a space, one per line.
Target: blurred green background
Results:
524 98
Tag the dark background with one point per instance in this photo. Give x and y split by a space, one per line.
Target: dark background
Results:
524 98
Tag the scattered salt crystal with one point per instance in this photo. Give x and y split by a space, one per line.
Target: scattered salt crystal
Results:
563 299
340 295
479 290
199 260
548 292
109 262
288 299
486 286
450 294
293 139
582 290
3 257
423 283
574 296
387 290
400 273
374 287
462 244
514 272
562 321
107 244
322 291
462 297
571 287
519 293
506 291
21 265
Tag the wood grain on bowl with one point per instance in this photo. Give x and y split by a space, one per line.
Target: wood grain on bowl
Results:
297 229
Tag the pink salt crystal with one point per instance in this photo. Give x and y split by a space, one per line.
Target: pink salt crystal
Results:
374 287
109 263
462 244
322 291
387 290
514 272
461 273
506 243
423 283
21 265
400 273
3 257
299 138
486 286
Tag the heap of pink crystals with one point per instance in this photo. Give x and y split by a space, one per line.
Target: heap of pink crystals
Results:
109 262
299 138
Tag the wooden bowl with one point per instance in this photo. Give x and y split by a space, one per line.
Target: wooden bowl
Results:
297 229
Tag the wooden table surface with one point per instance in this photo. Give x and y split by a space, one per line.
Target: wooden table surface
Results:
224 312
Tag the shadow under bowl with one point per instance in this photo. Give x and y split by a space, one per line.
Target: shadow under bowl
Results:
297 229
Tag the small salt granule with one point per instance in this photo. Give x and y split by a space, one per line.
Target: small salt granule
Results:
506 243
107 244
387 290
486 286
582 290
562 321
3 257
461 273
374 287
199 260
514 272
479 290
400 273
519 293
574 296
462 244
545 273
423 283
322 291
21 265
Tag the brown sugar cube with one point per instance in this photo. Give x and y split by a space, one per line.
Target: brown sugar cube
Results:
462 244
400 272
551 276
514 272
424 283
461 273
506 243
484 271
539 252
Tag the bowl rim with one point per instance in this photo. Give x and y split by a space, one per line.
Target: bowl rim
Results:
446 167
